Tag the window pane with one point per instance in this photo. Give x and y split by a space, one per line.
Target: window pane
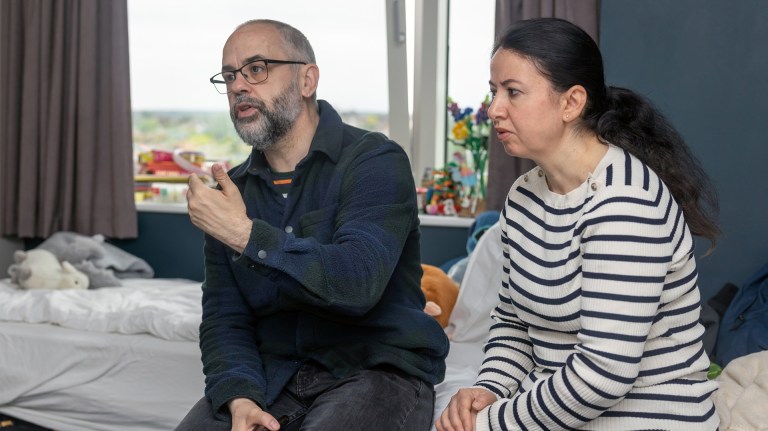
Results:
470 41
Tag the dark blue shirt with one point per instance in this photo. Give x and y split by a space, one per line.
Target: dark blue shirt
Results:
332 273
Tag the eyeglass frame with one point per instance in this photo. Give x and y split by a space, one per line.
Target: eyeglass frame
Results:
234 72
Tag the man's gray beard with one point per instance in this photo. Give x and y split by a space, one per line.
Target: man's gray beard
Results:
266 127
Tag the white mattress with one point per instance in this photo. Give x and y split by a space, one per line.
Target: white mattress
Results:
73 380
90 377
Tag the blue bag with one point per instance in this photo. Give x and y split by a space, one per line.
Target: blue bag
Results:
744 327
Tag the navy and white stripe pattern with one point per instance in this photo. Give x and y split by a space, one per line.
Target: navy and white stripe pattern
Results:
598 322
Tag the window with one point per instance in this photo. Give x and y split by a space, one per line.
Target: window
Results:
469 35
176 46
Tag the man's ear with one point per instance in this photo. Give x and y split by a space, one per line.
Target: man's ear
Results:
309 79
573 102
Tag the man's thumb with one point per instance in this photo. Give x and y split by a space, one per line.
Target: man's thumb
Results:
221 177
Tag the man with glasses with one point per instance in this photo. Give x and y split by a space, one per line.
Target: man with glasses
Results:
312 308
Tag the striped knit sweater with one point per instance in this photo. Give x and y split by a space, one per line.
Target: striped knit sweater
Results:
598 322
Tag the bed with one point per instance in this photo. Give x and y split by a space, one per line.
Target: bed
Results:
122 358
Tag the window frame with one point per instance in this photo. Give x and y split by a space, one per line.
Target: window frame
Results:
425 140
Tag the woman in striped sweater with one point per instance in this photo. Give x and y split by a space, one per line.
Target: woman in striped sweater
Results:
598 322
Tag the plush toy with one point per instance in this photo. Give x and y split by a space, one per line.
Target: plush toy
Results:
441 293
40 269
82 252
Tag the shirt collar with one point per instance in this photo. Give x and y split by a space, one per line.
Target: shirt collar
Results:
327 140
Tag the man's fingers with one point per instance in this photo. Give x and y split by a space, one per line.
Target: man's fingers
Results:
267 421
194 181
221 177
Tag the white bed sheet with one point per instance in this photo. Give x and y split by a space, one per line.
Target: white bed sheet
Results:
74 380
122 358
166 308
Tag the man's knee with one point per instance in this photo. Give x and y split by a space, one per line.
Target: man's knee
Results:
374 399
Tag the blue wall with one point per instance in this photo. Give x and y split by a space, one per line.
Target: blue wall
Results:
704 63
173 247
170 244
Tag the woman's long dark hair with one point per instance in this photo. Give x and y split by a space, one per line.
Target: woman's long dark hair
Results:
568 56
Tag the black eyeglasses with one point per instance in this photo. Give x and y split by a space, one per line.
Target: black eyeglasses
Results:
254 72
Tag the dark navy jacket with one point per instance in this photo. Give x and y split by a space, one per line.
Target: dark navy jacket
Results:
332 273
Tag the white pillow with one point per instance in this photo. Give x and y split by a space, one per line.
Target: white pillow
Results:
470 320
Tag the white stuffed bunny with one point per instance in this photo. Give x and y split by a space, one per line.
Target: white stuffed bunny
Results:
40 269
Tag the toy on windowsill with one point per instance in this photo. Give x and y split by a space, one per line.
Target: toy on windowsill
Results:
467 174
159 169
166 163
444 191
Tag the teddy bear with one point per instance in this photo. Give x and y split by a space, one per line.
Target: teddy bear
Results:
441 293
40 269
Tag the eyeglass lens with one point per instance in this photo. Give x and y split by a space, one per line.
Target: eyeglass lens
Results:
253 72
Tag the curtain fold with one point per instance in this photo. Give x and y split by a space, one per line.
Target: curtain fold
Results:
503 170
66 145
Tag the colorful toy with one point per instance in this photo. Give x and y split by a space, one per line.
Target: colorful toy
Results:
445 190
178 162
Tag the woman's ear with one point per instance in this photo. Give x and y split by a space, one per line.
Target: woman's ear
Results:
573 102
309 80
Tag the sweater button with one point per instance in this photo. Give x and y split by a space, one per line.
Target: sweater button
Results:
288 229
594 186
262 254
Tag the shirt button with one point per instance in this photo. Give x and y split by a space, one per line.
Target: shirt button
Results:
288 229
252 266
262 254
594 186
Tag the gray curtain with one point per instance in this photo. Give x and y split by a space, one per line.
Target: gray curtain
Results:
503 170
65 119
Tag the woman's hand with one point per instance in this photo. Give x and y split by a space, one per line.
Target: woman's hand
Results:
462 410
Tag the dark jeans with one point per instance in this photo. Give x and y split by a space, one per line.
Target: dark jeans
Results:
382 399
